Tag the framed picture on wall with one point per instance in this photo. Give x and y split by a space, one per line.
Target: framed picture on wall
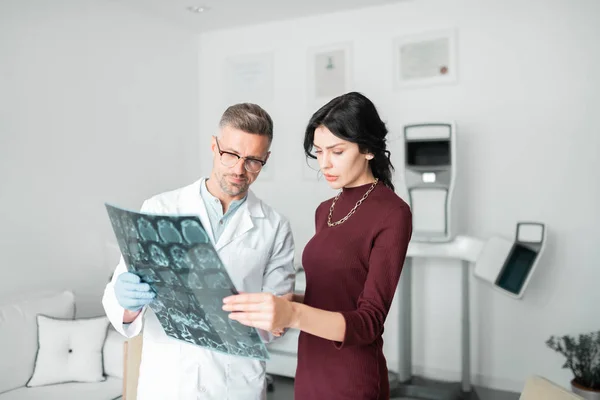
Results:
329 72
425 59
249 78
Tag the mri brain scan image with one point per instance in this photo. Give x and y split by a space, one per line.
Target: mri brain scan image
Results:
146 230
176 258
168 233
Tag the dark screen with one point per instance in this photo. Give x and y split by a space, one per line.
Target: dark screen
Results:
516 269
428 153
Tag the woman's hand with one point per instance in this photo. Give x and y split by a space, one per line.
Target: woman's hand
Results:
262 310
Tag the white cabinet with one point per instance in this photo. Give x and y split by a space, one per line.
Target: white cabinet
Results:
284 350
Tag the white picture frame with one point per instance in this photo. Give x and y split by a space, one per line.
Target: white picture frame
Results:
249 78
425 59
329 72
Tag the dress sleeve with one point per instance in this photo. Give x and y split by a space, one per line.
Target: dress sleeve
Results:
390 243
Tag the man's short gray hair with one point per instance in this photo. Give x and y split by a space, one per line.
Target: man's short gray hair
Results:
250 118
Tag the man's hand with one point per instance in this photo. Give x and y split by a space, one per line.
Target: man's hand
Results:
277 332
132 294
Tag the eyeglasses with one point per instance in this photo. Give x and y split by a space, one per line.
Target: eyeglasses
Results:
231 159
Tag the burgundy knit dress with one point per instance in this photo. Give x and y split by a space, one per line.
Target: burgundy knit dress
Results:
352 268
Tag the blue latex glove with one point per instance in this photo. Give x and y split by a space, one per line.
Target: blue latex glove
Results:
132 294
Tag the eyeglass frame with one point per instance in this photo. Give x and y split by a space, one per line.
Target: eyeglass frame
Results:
221 152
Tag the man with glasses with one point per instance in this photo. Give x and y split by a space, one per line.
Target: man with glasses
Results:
254 242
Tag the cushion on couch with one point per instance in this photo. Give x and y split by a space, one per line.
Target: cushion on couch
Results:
113 353
70 350
18 333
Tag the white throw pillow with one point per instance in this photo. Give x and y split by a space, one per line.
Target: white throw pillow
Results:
19 332
69 351
113 353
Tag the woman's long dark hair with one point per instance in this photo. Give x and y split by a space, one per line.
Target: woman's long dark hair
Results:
354 118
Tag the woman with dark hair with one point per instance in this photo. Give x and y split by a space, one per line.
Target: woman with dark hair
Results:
352 263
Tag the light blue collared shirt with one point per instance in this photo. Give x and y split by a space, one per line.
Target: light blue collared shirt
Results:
218 220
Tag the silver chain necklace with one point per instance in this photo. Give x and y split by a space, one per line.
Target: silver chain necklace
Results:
358 203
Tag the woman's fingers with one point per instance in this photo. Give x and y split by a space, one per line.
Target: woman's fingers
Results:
237 307
251 316
247 298
256 320
260 310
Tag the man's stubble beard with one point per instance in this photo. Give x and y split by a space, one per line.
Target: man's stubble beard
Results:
231 189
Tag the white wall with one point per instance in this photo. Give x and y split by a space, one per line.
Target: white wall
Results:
525 106
97 104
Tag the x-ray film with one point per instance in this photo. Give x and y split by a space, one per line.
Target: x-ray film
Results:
172 253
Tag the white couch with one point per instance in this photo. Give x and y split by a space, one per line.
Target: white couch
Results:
19 347
539 388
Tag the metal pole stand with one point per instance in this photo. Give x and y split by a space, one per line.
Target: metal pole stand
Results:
404 384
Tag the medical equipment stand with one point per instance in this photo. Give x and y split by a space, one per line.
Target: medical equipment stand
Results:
465 249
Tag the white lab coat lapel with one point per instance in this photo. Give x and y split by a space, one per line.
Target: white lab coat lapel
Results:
191 203
241 222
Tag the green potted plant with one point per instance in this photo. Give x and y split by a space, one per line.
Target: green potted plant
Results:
582 355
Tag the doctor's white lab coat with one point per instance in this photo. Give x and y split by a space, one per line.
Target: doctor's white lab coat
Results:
257 249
